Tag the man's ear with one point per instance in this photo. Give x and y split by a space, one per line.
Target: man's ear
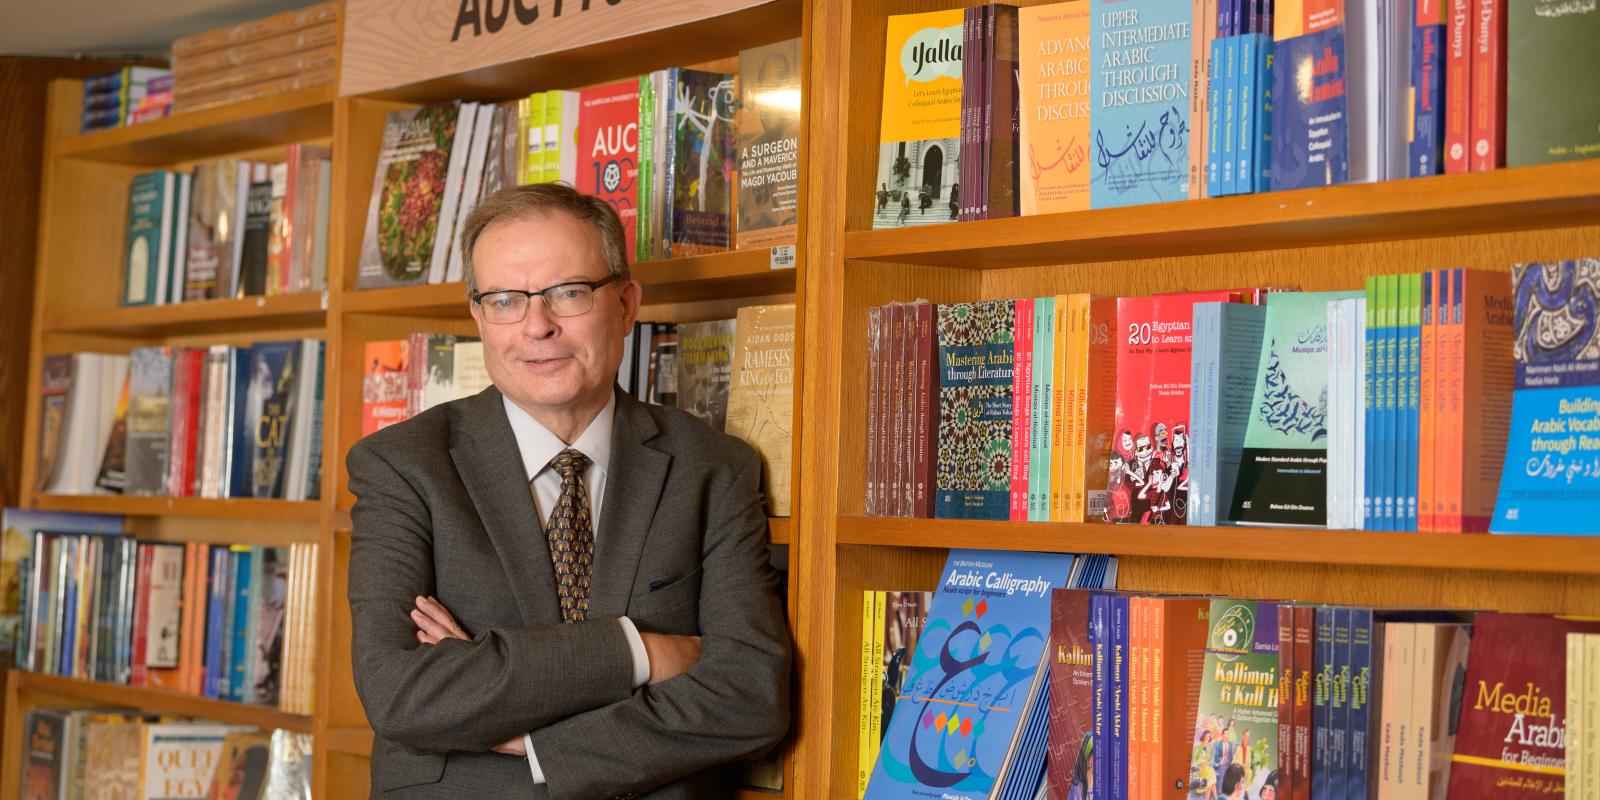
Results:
632 296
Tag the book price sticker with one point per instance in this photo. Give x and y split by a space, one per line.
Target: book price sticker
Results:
783 257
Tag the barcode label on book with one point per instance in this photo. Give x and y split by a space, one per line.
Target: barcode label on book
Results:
783 257
1097 504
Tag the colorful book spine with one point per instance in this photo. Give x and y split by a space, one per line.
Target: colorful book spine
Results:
1118 705
1286 675
1411 402
1458 85
1099 639
1427 89
925 405
1042 364
1064 364
1023 385
1216 87
1322 769
1231 91
1488 106
1261 134
1427 365
1305 671
869 692
1363 669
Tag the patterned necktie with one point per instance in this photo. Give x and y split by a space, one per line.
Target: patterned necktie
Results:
570 536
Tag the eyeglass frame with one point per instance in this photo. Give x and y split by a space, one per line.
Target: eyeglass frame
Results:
594 286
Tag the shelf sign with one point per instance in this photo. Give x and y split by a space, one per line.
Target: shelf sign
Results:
391 43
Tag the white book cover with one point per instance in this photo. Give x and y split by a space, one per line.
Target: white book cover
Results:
164 248
468 375
567 139
178 759
1336 418
1363 51
228 279
319 227
1357 320
1397 101
180 238
162 617
444 234
470 190
81 426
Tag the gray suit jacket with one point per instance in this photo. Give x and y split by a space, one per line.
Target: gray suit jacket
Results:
443 509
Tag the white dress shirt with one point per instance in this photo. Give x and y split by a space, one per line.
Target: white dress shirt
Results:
538 447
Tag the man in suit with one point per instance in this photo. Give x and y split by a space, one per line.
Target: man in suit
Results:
555 590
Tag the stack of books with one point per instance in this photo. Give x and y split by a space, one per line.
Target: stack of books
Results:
290 51
125 97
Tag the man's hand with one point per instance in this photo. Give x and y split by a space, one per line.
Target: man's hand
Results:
435 624
670 655
515 747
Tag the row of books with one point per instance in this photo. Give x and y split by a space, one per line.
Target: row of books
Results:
110 752
229 228
128 96
285 52
1583 714
1446 401
230 622
891 623
211 422
1121 103
1020 686
736 374
669 151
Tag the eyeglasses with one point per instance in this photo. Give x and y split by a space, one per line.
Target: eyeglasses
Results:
506 306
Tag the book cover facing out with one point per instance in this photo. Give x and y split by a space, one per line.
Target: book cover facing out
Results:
920 134
769 144
608 150
1071 722
1283 476
407 194
972 476
1552 104
972 675
1551 477
1054 80
703 161
1310 130
1236 732
1139 88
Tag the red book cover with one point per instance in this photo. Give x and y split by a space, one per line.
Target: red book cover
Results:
885 472
1458 85
907 455
416 372
1305 621
141 607
1489 86
926 400
1511 741
1021 411
1286 673
608 150
186 367
899 369
1070 763
869 505
1149 454
1179 663
383 384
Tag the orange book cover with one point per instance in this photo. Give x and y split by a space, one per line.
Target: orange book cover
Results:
1201 34
1060 423
1097 405
1071 458
1180 630
1136 678
288 664
1144 763
196 643
1447 409
172 678
1054 74
1426 395
1488 376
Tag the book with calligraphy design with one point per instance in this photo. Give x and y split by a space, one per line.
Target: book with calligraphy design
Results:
976 671
1551 472
1054 44
1139 124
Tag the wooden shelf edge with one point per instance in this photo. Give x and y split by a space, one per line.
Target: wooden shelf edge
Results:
234 508
258 122
780 529
350 741
1485 552
299 309
1548 195
159 701
752 793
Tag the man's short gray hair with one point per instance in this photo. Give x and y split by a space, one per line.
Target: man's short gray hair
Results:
520 202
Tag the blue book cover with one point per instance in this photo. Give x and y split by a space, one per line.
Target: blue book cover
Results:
1120 654
151 203
269 401
1140 84
1339 705
1205 328
226 595
1261 138
1023 778
1232 368
1283 474
1100 643
1248 86
1551 479
68 628
1322 704
1044 344
975 405
243 573
1230 112
1385 397
216 607
1214 116
1427 87
239 434
1369 410
978 662
1411 407
1310 135
1362 719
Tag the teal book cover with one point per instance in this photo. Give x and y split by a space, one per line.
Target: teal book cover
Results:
149 245
978 664
1139 124
1283 473
973 473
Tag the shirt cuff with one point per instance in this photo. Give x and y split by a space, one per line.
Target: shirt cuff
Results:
533 760
641 658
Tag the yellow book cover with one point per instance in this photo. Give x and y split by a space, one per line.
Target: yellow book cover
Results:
1078 342
1060 423
864 751
880 611
920 135
1054 80
761 394
532 136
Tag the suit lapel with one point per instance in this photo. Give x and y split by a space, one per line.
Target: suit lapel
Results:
491 468
633 485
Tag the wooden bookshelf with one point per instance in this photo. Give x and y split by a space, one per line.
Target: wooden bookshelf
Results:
266 511
75 691
285 311
224 130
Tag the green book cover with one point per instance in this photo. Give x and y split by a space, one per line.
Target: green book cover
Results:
1552 64
1235 740
647 146
1044 350
149 240
1283 474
